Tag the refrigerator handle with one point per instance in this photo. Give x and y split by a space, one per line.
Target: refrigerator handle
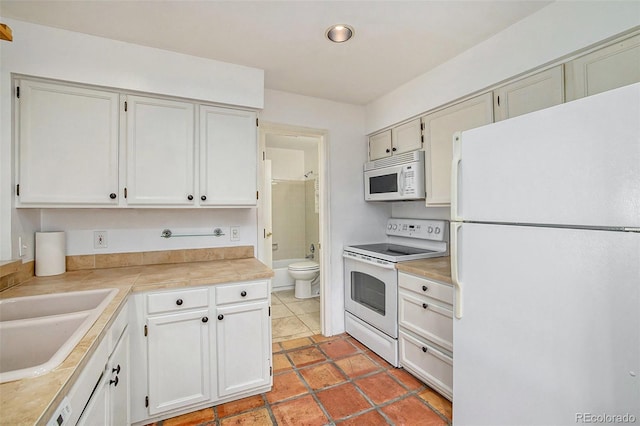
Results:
455 279
455 167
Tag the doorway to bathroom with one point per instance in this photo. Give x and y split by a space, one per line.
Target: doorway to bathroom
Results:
291 219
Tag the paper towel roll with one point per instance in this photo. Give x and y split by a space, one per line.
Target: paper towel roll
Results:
50 253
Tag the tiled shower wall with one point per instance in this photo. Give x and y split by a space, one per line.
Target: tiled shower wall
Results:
295 221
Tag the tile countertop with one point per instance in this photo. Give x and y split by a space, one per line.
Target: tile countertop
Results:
33 401
436 268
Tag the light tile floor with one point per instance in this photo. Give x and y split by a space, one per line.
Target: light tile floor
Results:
292 318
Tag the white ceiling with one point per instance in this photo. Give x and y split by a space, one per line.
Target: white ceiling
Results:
395 41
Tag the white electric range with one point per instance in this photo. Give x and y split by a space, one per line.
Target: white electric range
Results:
371 280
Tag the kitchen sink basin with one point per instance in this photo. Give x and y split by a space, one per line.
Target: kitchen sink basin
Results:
37 333
53 304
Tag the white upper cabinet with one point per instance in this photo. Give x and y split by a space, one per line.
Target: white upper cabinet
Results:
439 128
67 146
605 69
542 90
403 138
80 147
160 152
228 157
406 137
380 145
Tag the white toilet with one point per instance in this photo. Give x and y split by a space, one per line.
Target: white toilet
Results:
307 276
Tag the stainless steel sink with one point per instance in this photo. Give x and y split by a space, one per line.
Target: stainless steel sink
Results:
37 333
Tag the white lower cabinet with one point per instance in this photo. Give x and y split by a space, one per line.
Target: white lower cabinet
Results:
242 335
178 360
425 317
199 346
107 402
425 361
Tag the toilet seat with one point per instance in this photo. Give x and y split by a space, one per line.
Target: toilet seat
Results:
304 266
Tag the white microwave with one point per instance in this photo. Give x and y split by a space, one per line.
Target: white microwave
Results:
396 178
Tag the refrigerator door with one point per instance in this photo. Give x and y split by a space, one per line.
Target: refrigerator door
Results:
573 164
550 329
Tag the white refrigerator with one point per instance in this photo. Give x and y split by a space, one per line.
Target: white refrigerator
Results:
545 250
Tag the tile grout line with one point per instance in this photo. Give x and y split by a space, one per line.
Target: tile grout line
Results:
317 344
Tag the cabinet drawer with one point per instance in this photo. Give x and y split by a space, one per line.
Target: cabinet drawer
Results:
426 318
432 366
436 290
241 292
177 300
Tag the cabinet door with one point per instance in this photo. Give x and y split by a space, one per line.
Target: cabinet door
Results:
380 145
605 69
96 412
243 347
67 145
118 369
228 157
439 129
160 152
178 360
529 94
406 137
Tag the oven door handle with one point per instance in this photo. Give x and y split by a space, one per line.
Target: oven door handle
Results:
385 265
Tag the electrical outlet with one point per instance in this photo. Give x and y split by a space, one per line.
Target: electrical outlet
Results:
22 247
235 233
99 239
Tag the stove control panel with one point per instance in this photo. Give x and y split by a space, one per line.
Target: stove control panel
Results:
436 230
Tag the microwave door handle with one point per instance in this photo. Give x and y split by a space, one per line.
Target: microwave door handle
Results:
401 184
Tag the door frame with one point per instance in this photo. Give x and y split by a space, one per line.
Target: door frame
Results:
324 250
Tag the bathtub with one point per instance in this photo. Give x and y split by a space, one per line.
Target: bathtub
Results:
282 280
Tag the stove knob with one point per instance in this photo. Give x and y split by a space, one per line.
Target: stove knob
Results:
395 227
390 226
437 230
430 230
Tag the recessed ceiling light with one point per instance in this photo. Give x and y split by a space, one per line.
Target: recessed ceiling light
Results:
339 33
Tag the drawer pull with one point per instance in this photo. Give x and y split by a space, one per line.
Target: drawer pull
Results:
243 294
424 349
116 370
220 317
425 288
179 302
114 382
205 319
425 306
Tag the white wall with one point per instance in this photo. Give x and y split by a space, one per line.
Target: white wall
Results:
352 220
133 230
287 164
548 35
53 53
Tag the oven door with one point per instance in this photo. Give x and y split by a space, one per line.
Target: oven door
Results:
371 292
